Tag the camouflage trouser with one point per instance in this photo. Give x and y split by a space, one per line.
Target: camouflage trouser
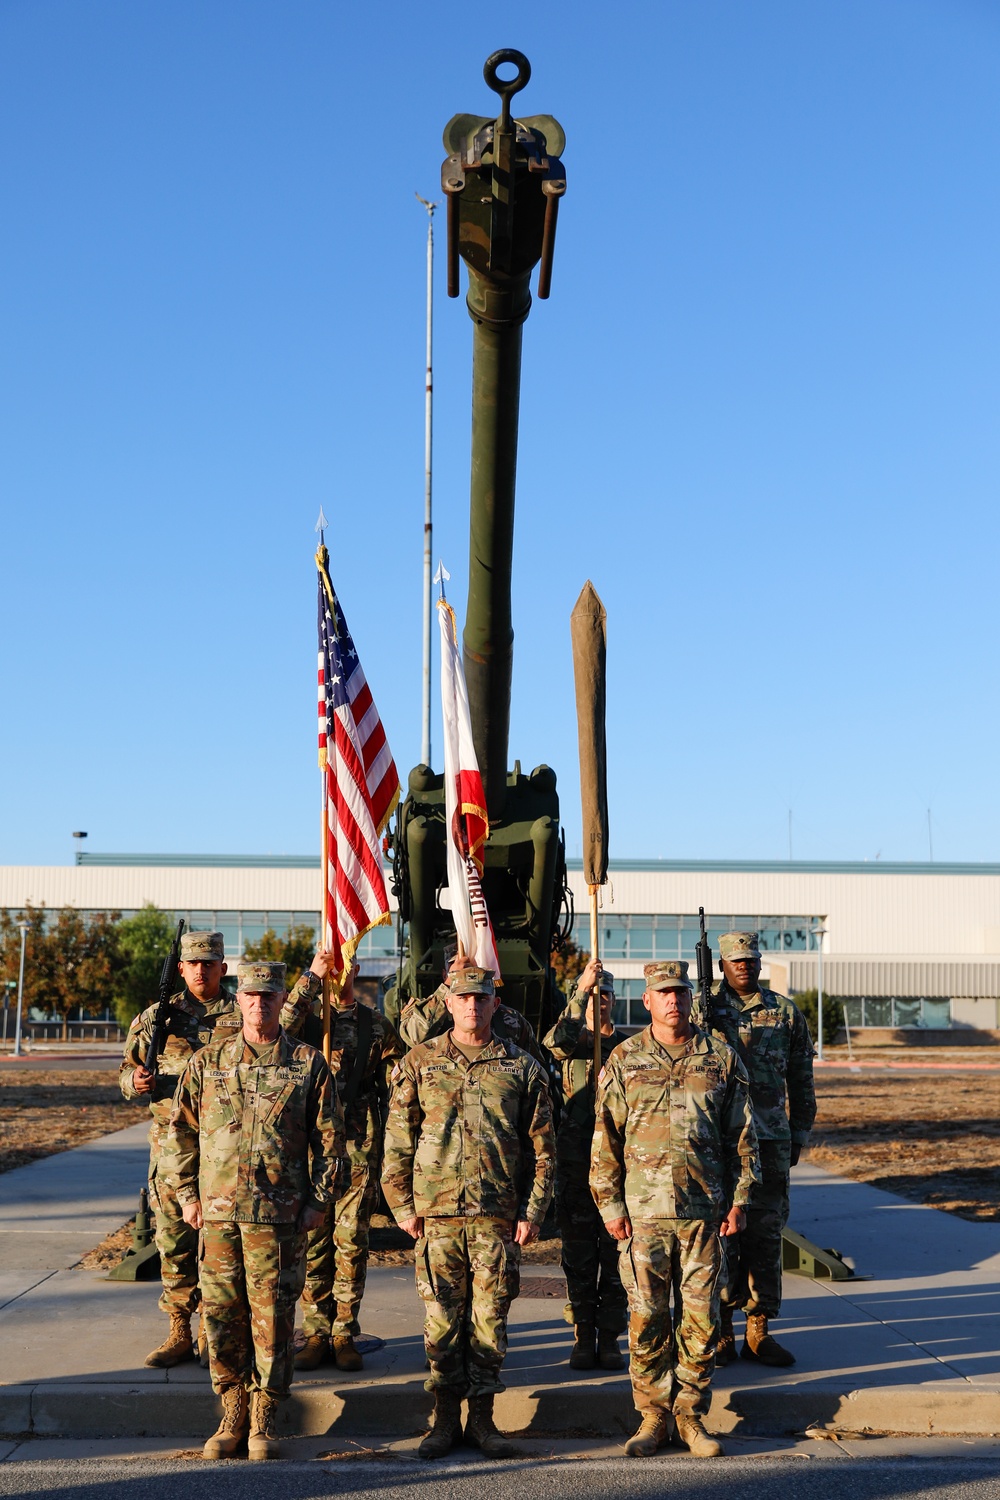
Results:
753 1258
467 1275
671 1361
177 1243
337 1254
589 1254
251 1278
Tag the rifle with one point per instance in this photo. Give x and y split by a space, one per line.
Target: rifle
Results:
168 979
703 954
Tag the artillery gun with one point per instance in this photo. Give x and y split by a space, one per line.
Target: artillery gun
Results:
502 179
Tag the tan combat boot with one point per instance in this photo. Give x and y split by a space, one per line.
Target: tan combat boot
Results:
263 1440
231 1434
691 1431
446 1426
176 1347
609 1356
481 1431
583 1356
345 1353
313 1352
725 1350
346 1356
759 1345
657 1428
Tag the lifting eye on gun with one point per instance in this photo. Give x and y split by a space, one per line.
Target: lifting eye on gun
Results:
506 87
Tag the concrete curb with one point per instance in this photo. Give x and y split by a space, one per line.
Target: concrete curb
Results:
119 1410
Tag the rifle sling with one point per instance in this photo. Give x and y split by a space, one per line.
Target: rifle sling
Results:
366 1031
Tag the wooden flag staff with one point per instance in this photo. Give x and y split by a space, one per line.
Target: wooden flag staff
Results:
588 628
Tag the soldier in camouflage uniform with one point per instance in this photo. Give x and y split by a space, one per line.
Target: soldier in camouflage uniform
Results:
422 1018
198 1012
770 1035
337 1252
252 1152
674 1130
468 1173
597 1307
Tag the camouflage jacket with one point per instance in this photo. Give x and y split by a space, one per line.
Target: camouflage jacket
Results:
770 1036
255 1139
571 1043
421 1019
468 1138
671 1135
194 1025
363 1118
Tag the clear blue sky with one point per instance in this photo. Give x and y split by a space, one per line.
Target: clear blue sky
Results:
760 411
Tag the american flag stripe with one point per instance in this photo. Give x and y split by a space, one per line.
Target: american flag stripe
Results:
361 785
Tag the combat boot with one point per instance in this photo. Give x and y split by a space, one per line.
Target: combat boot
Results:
446 1426
345 1354
657 1428
691 1431
263 1440
176 1347
759 1345
609 1356
725 1350
231 1433
481 1430
313 1352
584 1355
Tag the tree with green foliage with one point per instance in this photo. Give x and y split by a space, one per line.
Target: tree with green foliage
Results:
144 941
295 950
833 1014
70 963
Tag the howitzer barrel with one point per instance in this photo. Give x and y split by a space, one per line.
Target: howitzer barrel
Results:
503 179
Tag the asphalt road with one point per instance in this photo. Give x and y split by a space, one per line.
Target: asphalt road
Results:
636 1479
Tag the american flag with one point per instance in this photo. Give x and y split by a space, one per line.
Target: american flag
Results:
361 785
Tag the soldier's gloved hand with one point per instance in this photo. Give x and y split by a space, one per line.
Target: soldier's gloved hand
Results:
525 1233
413 1227
734 1223
796 1153
143 1081
191 1214
619 1229
311 1218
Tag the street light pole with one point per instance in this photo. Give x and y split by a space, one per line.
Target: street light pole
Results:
22 928
819 933
425 738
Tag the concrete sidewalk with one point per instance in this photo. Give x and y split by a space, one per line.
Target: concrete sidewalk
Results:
915 1350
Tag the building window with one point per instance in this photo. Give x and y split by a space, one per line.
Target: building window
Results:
897 1011
641 938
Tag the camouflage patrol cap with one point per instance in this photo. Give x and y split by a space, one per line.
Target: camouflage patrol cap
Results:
202 945
471 981
733 945
260 979
667 974
607 982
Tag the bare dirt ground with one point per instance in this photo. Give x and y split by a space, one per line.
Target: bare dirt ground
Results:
42 1112
927 1133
